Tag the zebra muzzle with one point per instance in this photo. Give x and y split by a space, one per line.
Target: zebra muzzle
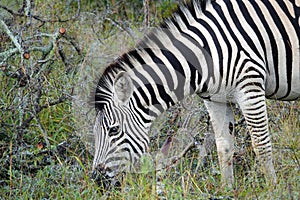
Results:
103 180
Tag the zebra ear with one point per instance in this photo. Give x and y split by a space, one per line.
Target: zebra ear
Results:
123 87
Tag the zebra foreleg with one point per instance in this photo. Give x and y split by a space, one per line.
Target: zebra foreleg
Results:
223 124
254 110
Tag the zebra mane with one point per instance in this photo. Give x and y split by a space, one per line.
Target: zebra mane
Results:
104 85
195 7
192 8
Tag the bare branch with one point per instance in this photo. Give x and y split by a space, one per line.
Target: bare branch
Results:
122 27
11 36
12 12
44 49
39 18
175 159
7 54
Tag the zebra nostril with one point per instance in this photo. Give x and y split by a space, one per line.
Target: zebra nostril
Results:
102 166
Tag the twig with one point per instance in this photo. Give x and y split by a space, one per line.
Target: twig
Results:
146 13
7 54
12 12
10 168
73 43
13 39
27 8
44 132
174 160
45 50
11 36
26 122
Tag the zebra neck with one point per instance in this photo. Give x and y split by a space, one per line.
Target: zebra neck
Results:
169 64
164 76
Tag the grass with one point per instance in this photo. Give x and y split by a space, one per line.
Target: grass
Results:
71 180
62 170
185 182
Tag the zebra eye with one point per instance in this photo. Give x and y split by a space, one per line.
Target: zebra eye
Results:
113 130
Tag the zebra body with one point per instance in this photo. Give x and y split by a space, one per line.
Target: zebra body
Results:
226 51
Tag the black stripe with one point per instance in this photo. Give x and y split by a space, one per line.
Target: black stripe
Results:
190 57
255 96
141 91
287 42
134 54
116 139
255 91
132 148
162 67
178 69
224 37
159 85
255 107
133 129
272 43
241 29
119 158
254 27
264 140
138 117
255 113
220 12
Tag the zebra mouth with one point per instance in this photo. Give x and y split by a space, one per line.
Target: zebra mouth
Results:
105 180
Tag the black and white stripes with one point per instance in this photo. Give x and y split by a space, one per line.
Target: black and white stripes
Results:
226 51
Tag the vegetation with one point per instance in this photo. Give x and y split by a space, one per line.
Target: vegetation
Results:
51 54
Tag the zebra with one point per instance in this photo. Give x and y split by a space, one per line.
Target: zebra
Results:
227 52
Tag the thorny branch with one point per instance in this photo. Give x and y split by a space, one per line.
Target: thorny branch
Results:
25 54
29 58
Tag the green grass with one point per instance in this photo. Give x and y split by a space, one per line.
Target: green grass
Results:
71 180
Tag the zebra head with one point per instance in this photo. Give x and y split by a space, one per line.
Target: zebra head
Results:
120 136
